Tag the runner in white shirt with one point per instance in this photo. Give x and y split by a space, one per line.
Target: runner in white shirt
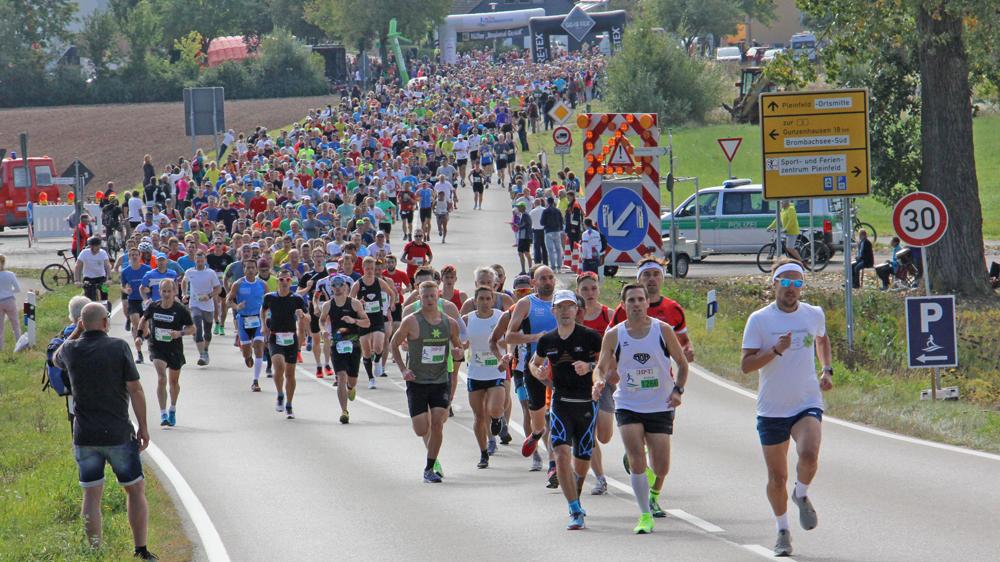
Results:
782 341
92 271
461 148
487 373
201 286
636 355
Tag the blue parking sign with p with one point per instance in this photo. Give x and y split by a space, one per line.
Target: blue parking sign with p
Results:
931 337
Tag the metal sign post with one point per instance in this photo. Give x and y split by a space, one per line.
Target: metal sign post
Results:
77 203
27 169
29 318
673 228
812 238
936 383
848 281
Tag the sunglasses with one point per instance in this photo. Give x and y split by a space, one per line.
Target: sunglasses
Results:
797 283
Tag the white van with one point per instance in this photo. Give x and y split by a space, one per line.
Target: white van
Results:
728 54
735 217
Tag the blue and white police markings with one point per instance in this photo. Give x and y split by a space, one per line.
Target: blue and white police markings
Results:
622 218
931 339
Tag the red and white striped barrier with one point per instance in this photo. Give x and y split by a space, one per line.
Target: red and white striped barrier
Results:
571 257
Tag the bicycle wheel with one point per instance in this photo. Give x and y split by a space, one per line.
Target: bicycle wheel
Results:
872 234
765 257
822 257
54 276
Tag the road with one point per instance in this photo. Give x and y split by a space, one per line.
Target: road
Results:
313 488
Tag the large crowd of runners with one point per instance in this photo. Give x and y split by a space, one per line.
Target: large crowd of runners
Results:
313 245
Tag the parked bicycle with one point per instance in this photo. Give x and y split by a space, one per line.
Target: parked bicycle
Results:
857 225
766 254
57 275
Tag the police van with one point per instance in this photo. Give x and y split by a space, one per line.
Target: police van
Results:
734 218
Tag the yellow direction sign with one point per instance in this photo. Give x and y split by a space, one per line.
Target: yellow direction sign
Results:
815 144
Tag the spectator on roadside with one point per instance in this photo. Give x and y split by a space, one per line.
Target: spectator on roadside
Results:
81 234
103 380
538 232
891 267
865 259
573 218
995 275
148 170
591 247
524 236
552 221
8 302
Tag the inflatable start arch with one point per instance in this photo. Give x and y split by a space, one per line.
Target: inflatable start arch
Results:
453 25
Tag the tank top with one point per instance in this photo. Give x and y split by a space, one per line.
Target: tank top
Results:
428 358
601 322
540 318
371 298
252 295
456 299
482 362
341 330
644 366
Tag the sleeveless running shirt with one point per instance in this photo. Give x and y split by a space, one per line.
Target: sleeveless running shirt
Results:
252 295
340 330
644 366
428 353
482 363
540 318
371 299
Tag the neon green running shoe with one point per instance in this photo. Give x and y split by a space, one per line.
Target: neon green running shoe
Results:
654 506
645 524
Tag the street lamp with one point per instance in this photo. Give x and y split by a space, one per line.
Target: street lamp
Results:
493 9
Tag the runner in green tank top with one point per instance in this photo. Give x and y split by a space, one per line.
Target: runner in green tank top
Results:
431 337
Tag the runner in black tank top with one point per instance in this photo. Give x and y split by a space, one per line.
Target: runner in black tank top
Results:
368 289
345 321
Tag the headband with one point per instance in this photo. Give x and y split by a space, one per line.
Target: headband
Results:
647 266
786 268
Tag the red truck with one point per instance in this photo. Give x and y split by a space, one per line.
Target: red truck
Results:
16 190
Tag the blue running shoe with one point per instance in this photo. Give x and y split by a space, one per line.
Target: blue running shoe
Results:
431 477
164 420
172 418
575 522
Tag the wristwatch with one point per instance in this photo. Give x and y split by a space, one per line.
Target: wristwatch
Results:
679 389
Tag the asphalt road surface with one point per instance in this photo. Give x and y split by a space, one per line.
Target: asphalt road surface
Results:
311 488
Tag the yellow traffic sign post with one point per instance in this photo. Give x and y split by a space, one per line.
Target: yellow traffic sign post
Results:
816 144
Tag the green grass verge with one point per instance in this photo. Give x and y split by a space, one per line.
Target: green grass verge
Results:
696 153
872 385
39 494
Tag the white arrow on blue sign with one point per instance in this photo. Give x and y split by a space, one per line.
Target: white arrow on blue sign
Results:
931 332
622 215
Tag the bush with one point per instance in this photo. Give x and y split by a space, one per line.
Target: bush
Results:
652 74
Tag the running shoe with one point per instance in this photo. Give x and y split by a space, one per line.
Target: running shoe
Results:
309 344
164 420
328 371
430 477
505 437
289 415
536 462
371 384
139 359
206 357
254 387
807 514
451 412
345 417
553 482
201 360
437 469
529 446
298 357
491 446
600 488
484 461
319 372
215 330
222 330
128 324
655 509
783 546
351 393
172 418
645 525
145 555
279 404
496 426
575 522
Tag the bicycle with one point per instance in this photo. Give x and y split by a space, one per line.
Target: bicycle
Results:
857 225
766 254
115 242
57 275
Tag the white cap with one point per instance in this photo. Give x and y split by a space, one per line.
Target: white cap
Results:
564 296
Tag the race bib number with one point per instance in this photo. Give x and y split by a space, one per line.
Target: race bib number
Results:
251 321
432 354
284 338
418 261
345 346
642 379
371 307
486 359
163 334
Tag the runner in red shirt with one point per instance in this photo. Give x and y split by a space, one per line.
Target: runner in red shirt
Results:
449 277
597 316
416 254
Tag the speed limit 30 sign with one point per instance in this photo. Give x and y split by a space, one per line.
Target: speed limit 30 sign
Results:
920 219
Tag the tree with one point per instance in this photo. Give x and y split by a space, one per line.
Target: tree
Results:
29 30
290 15
144 32
99 35
760 10
913 57
360 23
689 19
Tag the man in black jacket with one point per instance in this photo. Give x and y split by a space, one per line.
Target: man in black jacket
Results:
104 380
865 259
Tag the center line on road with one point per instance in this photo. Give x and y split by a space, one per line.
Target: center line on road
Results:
760 550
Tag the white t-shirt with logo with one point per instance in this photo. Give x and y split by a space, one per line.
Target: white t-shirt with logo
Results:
788 384
201 283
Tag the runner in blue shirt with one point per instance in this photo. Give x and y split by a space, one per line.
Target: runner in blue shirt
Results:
246 298
131 278
150 285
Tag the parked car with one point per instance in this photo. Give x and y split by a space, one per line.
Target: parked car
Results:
734 218
728 54
17 189
770 54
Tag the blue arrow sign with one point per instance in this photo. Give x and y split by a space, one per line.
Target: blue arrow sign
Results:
931 339
622 218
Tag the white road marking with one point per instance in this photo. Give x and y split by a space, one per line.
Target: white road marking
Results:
696 521
305 373
765 552
715 379
215 550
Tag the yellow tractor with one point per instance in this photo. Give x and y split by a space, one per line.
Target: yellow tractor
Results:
752 83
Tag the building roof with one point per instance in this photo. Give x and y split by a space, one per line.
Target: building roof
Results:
463 6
